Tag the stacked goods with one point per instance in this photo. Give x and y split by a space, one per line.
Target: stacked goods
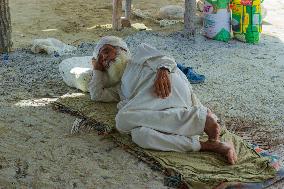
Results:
246 20
217 17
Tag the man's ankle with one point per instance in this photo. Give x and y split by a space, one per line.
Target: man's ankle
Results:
212 129
208 145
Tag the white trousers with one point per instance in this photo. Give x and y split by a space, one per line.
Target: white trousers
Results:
151 139
173 129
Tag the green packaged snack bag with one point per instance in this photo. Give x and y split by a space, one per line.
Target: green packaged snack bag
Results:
246 20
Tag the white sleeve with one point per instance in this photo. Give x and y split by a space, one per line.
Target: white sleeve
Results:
98 92
159 62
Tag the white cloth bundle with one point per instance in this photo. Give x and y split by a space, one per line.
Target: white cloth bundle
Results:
77 72
51 46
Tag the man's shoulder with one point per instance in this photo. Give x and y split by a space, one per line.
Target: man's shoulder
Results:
145 46
144 52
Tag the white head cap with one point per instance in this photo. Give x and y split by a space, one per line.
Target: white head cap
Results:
110 40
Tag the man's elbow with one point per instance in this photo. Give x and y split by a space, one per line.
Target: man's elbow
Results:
101 99
93 97
96 98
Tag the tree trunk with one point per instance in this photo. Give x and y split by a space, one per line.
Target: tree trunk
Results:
5 27
189 17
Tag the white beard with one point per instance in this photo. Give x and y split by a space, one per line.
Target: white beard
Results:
116 69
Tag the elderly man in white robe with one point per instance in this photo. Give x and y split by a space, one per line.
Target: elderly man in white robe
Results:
157 105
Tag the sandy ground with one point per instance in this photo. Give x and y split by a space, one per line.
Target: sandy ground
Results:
71 21
36 148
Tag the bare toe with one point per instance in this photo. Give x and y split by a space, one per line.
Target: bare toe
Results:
231 153
235 156
230 156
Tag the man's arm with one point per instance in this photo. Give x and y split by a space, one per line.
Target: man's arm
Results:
162 62
96 86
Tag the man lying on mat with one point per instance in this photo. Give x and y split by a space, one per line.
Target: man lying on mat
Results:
157 105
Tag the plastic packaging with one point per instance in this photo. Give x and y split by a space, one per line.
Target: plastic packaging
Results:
246 20
217 20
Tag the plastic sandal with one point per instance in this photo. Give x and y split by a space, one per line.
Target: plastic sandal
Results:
192 76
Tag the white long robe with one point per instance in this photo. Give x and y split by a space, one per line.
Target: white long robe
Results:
171 124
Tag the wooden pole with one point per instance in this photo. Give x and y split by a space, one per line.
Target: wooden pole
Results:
5 27
125 21
116 14
127 9
189 17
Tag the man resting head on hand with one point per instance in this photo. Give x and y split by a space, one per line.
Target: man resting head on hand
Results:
157 105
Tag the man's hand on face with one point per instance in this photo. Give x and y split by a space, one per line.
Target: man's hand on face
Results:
162 85
97 65
106 54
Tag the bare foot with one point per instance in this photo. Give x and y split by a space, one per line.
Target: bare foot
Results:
226 149
229 152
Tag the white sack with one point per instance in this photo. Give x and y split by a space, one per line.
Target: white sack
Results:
77 72
50 46
215 23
